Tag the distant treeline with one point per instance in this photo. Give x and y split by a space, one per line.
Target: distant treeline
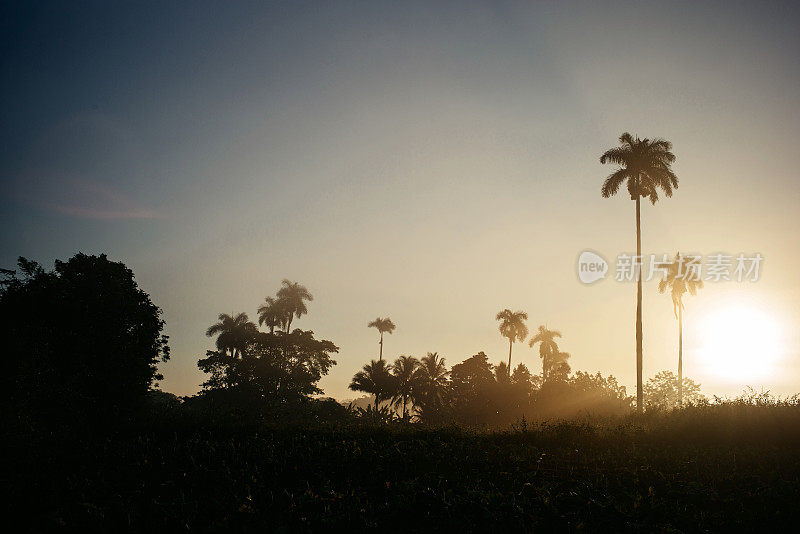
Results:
87 335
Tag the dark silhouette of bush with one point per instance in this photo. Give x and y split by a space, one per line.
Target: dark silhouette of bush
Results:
269 372
81 340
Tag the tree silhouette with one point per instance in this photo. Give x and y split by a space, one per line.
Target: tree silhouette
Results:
383 326
473 390
376 379
548 350
233 333
558 366
661 391
273 313
645 167
678 283
404 370
292 297
501 374
521 375
512 326
277 369
431 385
82 340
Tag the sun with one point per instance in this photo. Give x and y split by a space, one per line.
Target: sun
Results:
740 342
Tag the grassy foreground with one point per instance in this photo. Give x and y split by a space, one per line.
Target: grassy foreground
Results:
699 469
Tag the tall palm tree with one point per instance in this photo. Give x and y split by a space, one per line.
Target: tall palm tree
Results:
232 332
645 167
431 382
678 283
293 297
374 378
272 313
512 327
383 326
548 349
404 370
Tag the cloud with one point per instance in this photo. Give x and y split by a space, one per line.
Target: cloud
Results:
79 197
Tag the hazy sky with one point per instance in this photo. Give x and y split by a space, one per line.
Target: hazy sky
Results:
433 162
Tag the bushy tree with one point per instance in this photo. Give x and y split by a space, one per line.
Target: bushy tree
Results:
275 368
83 337
473 388
661 391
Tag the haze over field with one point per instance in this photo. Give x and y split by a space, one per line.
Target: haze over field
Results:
431 163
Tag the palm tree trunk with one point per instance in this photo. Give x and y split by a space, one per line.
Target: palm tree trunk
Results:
510 344
680 355
639 393
381 344
544 369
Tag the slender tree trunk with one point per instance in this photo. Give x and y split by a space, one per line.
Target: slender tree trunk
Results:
288 324
680 354
510 344
381 344
405 400
639 393
544 369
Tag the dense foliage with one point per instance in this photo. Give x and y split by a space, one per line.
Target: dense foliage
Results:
725 467
82 339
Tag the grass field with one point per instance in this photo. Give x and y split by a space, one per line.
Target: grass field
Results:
731 467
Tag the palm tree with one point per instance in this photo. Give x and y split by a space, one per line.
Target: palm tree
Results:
431 382
383 326
375 379
404 370
677 281
645 167
548 349
232 332
512 326
272 313
293 297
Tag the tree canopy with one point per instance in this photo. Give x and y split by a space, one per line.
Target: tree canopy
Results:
84 334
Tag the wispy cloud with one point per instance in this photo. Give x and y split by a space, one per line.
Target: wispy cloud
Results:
81 198
94 213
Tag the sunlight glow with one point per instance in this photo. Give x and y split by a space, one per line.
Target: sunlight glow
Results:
741 343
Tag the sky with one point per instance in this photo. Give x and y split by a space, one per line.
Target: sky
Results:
434 162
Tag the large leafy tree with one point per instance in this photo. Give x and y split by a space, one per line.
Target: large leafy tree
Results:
293 297
553 360
273 368
661 391
404 370
679 282
83 337
233 333
473 391
384 326
375 378
512 327
645 168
